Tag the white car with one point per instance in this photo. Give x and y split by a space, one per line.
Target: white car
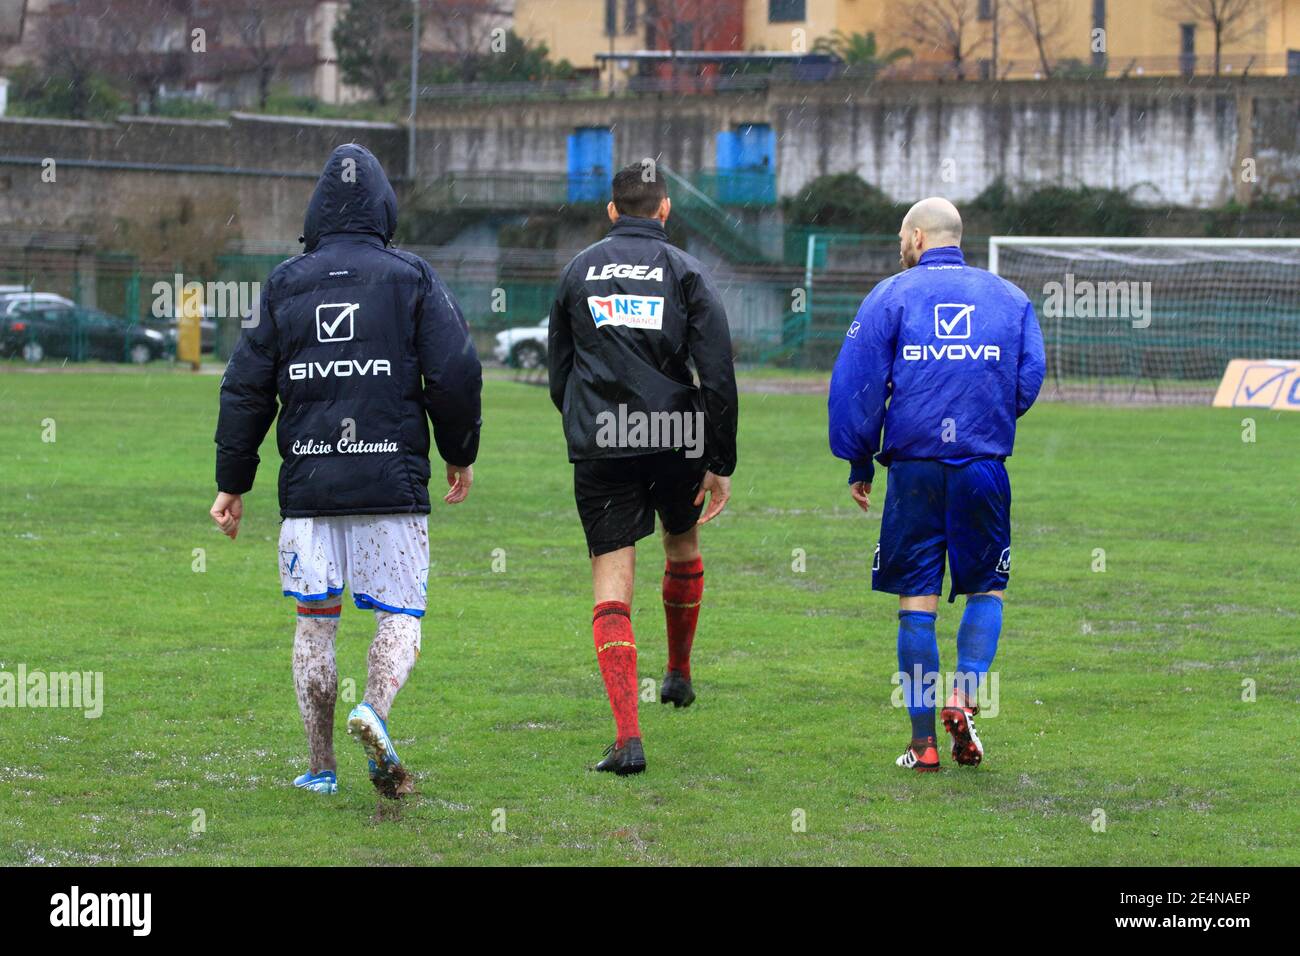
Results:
11 303
523 347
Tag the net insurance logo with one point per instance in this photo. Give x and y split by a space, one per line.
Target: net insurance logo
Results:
633 311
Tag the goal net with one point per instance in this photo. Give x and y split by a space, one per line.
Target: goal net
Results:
1154 319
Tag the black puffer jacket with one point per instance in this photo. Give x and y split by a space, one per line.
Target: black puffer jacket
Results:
630 316
358 342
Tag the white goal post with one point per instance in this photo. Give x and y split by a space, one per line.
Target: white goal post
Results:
1170 313
997 243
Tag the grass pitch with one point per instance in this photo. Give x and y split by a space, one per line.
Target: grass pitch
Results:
1123 692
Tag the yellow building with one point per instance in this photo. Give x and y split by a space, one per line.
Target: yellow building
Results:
1137 37
576 30
793 26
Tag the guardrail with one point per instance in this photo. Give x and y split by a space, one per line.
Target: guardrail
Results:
725 230
514 90
515 190
702 77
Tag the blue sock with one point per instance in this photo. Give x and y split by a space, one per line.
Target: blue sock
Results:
977 642
918 648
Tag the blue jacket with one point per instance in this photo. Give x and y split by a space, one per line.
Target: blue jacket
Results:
946 357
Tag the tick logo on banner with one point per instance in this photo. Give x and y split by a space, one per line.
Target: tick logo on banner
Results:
334 321
633 311
952 321
1260 384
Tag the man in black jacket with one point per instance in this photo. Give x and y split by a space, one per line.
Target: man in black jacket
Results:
631 314
358 342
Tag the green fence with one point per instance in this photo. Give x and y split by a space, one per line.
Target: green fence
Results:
108 318
1201 312
1150 310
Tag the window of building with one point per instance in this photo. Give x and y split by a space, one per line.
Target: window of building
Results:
611 17
1099 23
985 10
629 16
1187 49
787 11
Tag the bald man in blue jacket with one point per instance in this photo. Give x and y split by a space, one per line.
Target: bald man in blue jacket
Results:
945 358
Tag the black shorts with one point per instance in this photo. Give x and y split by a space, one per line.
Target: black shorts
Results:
619 497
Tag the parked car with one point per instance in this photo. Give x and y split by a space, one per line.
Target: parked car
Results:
24 300
523 347
77 333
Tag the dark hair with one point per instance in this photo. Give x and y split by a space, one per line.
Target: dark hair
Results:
639 189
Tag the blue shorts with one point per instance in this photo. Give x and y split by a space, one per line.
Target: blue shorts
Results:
933 510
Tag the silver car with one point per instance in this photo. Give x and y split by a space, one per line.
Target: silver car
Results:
12 303
523 347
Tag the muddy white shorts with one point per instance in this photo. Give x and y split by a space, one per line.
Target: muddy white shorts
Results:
384 559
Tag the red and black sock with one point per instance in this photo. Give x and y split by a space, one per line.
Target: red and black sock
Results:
683 588
611 625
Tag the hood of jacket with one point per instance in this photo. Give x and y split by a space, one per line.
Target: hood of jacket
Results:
352 195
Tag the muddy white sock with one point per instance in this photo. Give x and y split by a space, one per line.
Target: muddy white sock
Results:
316 678
392 658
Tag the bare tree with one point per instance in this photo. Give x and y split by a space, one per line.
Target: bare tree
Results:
683 25
1231 21
463 30
686 24
946 27
67 45
142 44
266 34
1044 22
138 43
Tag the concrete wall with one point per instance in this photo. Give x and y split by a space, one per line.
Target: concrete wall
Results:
1171 142
283 157
532 136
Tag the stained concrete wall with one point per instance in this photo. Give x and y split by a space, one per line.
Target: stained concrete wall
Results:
281 159
532 136
1170 141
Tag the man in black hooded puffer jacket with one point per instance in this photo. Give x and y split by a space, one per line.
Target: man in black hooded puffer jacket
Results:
358 342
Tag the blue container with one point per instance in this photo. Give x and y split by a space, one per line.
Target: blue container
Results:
591 164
